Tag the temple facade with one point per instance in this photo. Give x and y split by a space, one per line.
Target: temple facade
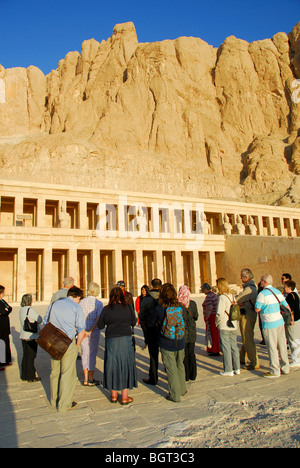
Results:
49 232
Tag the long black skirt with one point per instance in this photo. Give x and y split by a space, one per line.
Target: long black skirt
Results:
119 364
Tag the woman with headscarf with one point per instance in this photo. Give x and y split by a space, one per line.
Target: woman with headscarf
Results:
28 338
190 316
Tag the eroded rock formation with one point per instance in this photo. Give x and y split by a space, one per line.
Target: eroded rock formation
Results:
177 117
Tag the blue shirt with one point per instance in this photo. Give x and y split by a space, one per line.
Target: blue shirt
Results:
67 316
269 307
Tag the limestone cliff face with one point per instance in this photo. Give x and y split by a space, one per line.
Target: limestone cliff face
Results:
177 117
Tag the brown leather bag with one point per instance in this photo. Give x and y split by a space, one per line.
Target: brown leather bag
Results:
54 341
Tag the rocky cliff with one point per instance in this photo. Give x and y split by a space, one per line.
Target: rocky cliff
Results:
177 117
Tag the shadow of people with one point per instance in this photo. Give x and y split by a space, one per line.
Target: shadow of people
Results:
8 432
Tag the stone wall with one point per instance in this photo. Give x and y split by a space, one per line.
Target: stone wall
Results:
264 255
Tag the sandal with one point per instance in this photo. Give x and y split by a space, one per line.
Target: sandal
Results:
114 400
126 402
87 383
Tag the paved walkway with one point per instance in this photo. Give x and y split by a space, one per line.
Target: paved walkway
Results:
216 412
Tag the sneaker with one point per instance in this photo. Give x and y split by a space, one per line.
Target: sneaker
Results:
237 372
270 375
227 374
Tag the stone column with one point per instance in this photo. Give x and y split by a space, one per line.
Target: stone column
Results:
271 225
96 266
83 219
41 212
21 273
72 264
47 274
211 267
281 227
196 271
290 227
179 277
139 264
118 265
18 207
159 267
260 226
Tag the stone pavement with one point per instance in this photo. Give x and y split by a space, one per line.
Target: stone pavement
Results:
27 420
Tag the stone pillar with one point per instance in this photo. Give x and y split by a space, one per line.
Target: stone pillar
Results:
159 267
83 219
96 266
18 208
290 227
196 271
179 277
271 225
21 273
139 263
47 274
211 267
118 265
72 264
281 227
298 227
41 212
260 226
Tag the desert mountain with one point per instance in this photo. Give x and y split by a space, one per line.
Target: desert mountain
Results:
173 117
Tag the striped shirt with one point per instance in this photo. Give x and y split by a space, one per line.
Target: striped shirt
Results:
269 307
210 304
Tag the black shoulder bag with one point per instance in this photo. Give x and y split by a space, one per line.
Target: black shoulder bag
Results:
31 327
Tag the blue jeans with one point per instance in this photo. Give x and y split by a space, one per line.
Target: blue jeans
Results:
231 357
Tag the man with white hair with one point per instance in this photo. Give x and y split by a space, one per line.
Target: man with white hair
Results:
268 305
62 293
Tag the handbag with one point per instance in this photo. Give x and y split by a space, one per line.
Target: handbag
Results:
53 340
30 327
285 311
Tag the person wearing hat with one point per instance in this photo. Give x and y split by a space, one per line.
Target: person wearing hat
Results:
128 296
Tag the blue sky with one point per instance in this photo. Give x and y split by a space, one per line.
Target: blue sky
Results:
41 32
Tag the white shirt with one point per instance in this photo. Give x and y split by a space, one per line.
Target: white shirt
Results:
33 316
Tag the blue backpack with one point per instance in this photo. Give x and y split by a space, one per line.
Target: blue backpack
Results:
173 324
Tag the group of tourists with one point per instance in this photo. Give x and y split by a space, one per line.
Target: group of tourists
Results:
168 321
279 321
